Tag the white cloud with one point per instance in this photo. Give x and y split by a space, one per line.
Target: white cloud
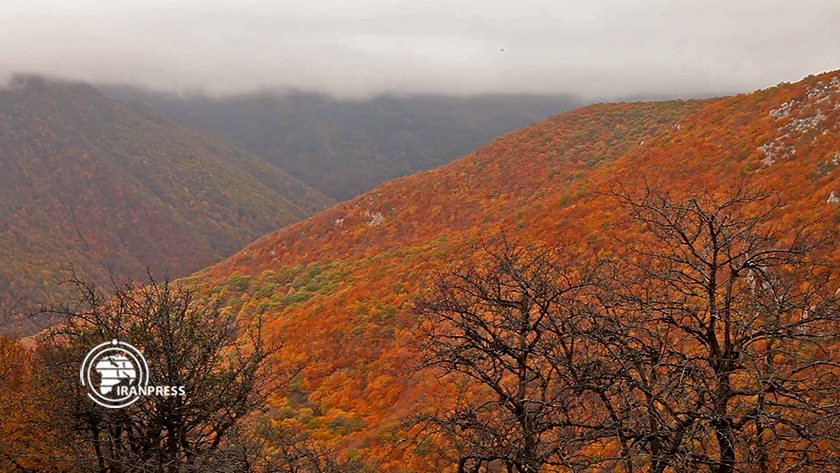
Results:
351 47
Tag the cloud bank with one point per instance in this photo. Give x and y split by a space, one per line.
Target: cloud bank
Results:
596 48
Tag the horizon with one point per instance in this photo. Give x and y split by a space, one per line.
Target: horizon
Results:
108 88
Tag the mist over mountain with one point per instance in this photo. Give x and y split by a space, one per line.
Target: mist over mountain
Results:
693 250
346 147
437 236
601 49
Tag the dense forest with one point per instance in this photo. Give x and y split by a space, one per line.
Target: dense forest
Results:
346 147
634 287
92 186
341 288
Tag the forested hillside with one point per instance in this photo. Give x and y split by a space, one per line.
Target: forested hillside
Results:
632 287
92 186
341 289
345 147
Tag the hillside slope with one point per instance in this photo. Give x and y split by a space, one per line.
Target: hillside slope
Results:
92 185
346 147
337 288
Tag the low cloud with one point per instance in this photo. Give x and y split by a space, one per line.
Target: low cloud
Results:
598 48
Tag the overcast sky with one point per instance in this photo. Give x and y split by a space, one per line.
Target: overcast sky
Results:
597 48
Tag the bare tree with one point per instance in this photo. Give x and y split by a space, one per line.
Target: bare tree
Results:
728 328
705 344
511 329
188 341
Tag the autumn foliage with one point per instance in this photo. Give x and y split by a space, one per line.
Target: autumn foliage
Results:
340 290
89 185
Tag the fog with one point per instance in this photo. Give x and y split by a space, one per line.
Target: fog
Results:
353 48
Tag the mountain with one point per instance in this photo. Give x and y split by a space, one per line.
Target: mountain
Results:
346 147
94 186
338 288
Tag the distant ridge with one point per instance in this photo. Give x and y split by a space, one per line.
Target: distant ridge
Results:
346 147
91 185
